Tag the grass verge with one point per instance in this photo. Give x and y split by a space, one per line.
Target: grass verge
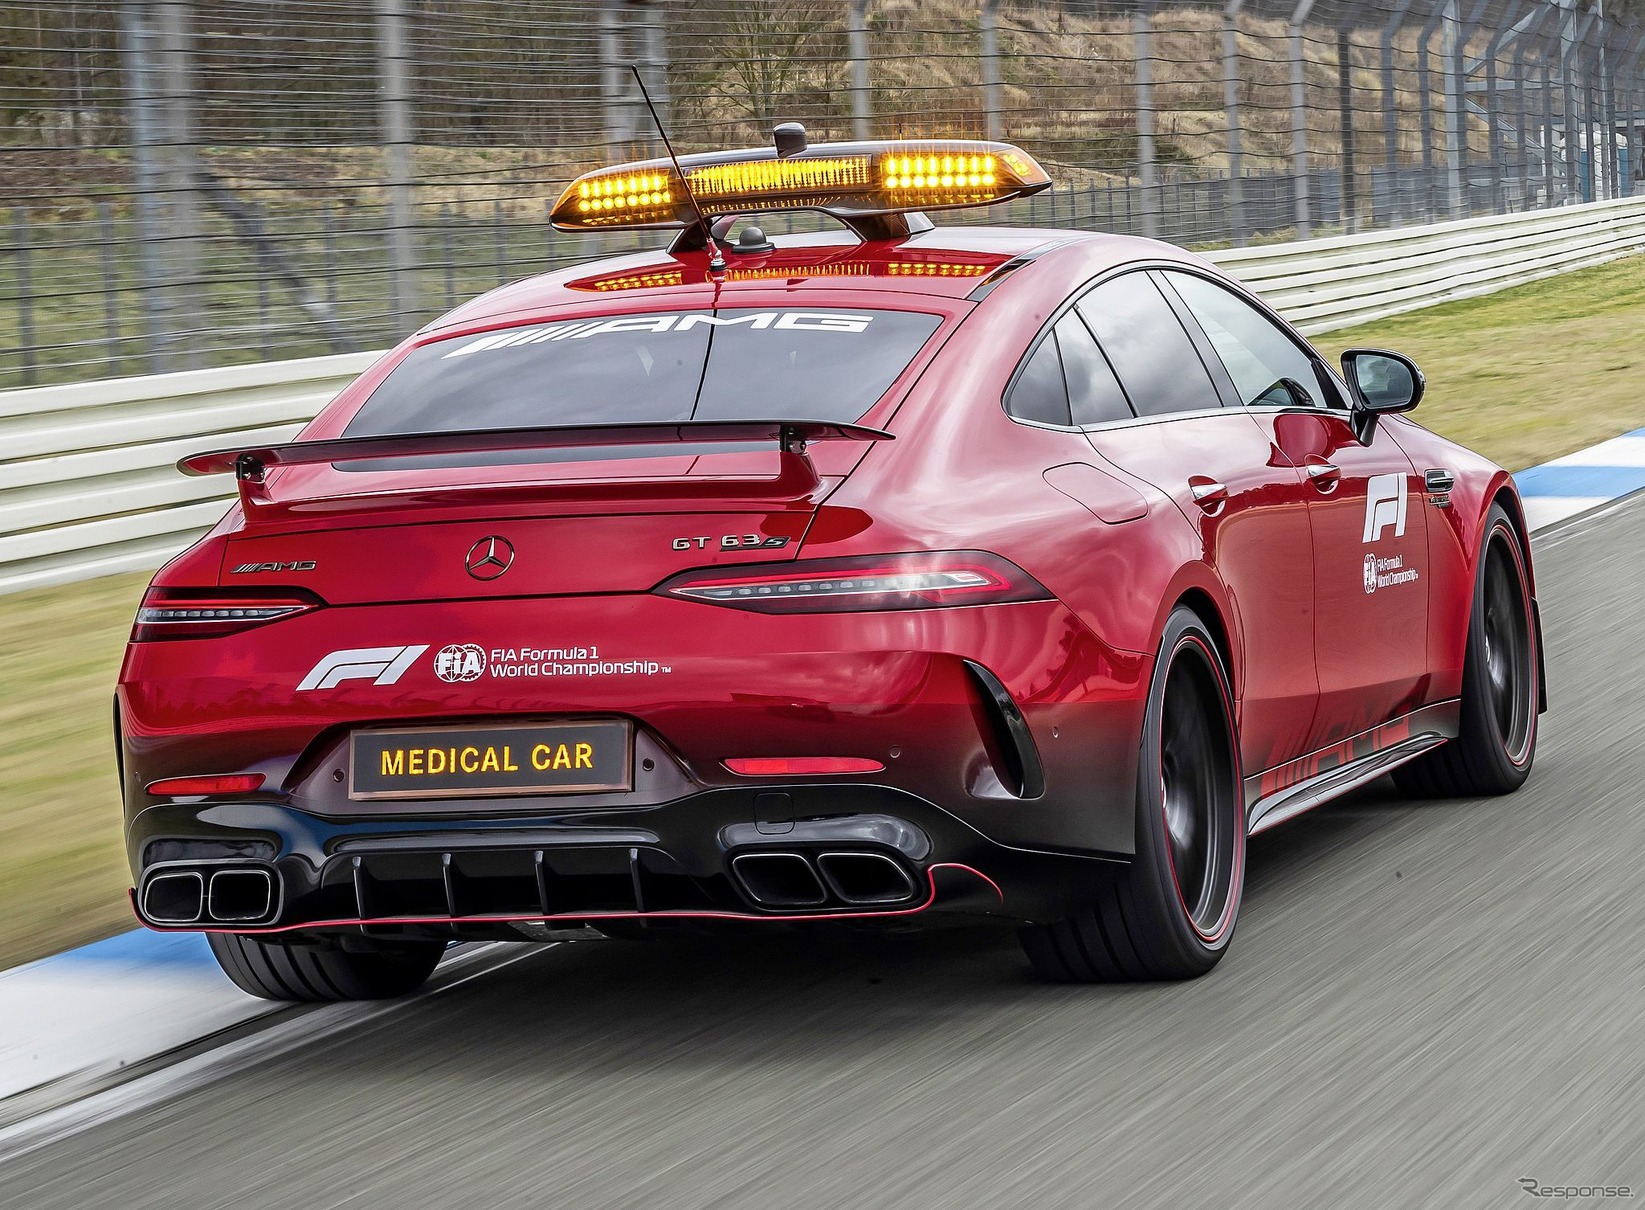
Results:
1522 376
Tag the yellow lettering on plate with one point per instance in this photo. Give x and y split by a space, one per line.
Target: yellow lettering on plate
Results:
414 762
541 756
508 761
470 762
562 758
394 762
585 756
488 762
436 761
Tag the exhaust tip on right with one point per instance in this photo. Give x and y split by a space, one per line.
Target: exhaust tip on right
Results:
240 896
866 878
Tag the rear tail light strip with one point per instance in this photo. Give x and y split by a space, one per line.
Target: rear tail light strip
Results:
204 613
861 583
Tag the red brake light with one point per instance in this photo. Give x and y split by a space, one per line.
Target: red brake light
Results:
800 766
206 613
864 583
233 783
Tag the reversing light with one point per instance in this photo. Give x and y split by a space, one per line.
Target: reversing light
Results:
861 584
184 787
800 766
177 613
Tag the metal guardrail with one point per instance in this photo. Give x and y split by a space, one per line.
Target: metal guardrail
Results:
87 485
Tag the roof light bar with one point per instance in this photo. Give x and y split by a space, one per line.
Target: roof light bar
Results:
842 179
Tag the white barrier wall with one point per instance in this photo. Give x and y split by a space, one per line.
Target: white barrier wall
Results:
87 478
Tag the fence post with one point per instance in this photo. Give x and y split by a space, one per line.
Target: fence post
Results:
1390 107
1142 30
991 68
1230 104
27 350
656 61
111 288
613 80
1299 116
1636 129
857 39
1493 107
137 37
1345 104
180 158
1427 100
394 118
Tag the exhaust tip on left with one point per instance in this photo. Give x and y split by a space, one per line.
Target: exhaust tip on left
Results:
175 897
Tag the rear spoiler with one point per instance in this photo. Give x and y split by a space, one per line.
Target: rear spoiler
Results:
790 436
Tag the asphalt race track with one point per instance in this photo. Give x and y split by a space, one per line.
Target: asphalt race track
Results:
1425 1004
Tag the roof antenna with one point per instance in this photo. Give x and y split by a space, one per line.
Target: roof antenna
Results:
716 258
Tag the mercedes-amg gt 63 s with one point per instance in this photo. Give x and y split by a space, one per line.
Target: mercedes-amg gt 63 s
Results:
888 575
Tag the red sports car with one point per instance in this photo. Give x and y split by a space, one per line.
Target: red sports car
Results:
891 575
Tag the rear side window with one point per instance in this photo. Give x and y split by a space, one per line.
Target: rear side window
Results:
1259 356
681 365
1040 394
1147 346
1094 393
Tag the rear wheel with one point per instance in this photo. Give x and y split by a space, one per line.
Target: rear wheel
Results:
275 971
1170 914
1501 690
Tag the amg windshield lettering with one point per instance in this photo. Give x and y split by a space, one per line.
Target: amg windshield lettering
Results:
759 321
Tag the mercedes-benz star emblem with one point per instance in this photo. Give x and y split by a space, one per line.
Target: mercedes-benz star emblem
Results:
489 558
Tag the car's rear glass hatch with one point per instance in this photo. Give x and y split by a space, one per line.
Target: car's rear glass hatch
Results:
829 364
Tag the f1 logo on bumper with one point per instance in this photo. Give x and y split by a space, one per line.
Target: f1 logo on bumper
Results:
379 665
1384 505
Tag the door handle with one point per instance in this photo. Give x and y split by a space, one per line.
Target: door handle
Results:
1323 475
1208 493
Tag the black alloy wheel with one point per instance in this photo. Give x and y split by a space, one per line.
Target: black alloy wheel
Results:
1501 682
1170 914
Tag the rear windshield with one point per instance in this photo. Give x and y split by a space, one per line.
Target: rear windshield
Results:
679 365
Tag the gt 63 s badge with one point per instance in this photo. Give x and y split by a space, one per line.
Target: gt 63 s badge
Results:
732 542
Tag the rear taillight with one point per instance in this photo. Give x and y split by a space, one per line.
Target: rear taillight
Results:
184 787
206 613
800 766
861 583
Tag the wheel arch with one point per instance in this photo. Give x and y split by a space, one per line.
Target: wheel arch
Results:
1205 608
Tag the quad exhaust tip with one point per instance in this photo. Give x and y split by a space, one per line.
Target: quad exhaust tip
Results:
779 880
866 878
175 897
240 895
231 894
793 880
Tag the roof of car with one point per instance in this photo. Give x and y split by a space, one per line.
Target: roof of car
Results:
946 262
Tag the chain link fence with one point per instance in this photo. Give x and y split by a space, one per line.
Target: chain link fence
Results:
186 183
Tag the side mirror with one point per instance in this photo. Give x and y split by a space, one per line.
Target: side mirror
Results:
1381 383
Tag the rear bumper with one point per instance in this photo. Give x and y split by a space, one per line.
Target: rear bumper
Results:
683 861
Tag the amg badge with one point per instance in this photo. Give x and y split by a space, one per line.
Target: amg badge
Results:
246 569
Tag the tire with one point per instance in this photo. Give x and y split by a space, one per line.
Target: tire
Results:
274 971
1171 913
1501 687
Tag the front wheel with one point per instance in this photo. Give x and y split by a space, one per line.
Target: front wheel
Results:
1170 914
1501 686
275 971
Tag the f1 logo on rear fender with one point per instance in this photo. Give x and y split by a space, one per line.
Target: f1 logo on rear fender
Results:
1384 505
379 665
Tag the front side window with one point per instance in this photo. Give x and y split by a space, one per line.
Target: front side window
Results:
1267 366
741 364
1148 347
